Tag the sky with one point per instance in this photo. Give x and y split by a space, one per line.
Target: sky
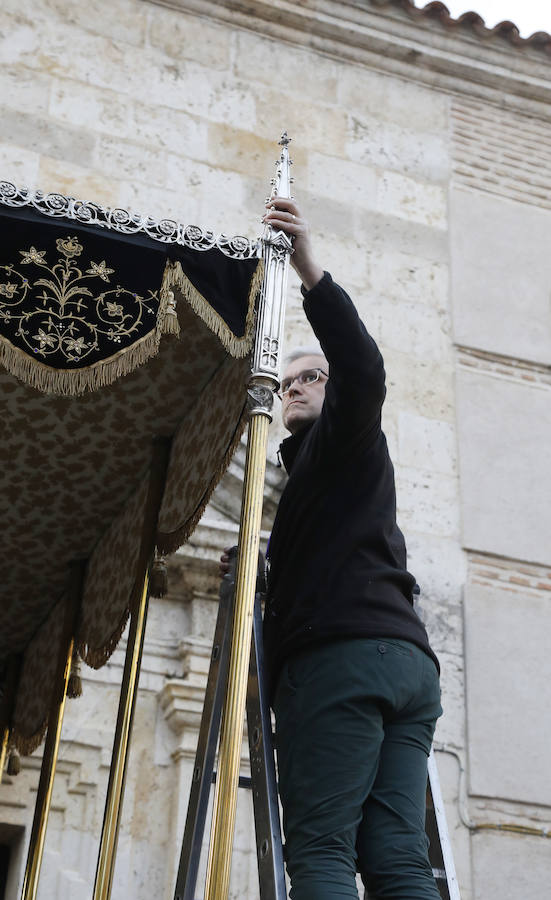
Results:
528 15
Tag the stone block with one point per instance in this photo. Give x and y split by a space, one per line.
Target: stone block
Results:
450 728
74 145
184 36
19 165
419 384
389 233
501 271
124 20
317 126
177 202
504 435
417 329
243 151
173 129
24 90
19 38
127 160
509 867
404 197
427 443
427 501
390 99
440 566
508 658
259 59
346 182
396 274
89 106
76 181
374 141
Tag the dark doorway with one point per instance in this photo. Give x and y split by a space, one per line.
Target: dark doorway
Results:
5 854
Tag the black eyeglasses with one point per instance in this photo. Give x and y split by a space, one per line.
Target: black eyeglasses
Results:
307 376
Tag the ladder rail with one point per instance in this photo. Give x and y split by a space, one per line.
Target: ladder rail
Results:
442 826
203 768
269 848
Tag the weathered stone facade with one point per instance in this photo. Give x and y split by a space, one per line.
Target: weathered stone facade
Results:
422 160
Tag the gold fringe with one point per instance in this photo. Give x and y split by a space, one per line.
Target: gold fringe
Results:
237 347
28 744
104 372
96 657
169 543
76 382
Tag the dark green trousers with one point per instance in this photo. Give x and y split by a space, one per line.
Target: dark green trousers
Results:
354 726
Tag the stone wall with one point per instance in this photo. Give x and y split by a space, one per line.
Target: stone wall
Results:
421 158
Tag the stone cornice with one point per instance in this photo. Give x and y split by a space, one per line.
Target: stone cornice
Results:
390 40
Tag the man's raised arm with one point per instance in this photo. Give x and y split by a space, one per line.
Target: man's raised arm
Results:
357 377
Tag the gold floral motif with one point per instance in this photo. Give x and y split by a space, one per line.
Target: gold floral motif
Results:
66 317
33 256
8 290
100 269
69 247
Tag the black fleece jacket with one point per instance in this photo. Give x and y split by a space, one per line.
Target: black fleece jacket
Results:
337 559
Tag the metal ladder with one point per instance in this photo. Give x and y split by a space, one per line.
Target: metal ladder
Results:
269 849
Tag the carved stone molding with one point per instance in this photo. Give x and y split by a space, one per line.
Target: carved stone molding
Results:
518 370
390 40
509 574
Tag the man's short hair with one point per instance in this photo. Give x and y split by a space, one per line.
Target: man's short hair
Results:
310 350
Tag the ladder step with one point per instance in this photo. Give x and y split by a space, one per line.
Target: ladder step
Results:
245 781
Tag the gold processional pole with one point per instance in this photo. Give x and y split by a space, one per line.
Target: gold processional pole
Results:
4 749
53 736
277 248
129 686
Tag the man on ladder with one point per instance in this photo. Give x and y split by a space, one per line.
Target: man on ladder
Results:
352 678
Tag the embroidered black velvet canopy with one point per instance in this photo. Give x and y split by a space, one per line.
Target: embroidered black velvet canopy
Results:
87 380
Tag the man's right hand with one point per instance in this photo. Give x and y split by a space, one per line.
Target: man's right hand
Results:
283 214
224 565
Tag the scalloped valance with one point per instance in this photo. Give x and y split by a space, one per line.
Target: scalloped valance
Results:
88 298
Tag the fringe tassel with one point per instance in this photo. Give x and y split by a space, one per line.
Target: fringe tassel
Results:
169 543
167 320
158 583
14 762
74 684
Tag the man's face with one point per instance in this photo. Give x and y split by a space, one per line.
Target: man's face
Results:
302 403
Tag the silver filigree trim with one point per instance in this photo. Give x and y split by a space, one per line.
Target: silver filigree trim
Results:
167 231
260 399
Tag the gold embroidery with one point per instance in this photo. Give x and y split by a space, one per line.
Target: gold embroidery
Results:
68 318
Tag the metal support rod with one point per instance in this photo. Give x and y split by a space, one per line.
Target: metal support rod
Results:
225 797
277 247
117 774
4 750
129 687
46 782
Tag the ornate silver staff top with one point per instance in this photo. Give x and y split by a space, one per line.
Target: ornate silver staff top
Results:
276 250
